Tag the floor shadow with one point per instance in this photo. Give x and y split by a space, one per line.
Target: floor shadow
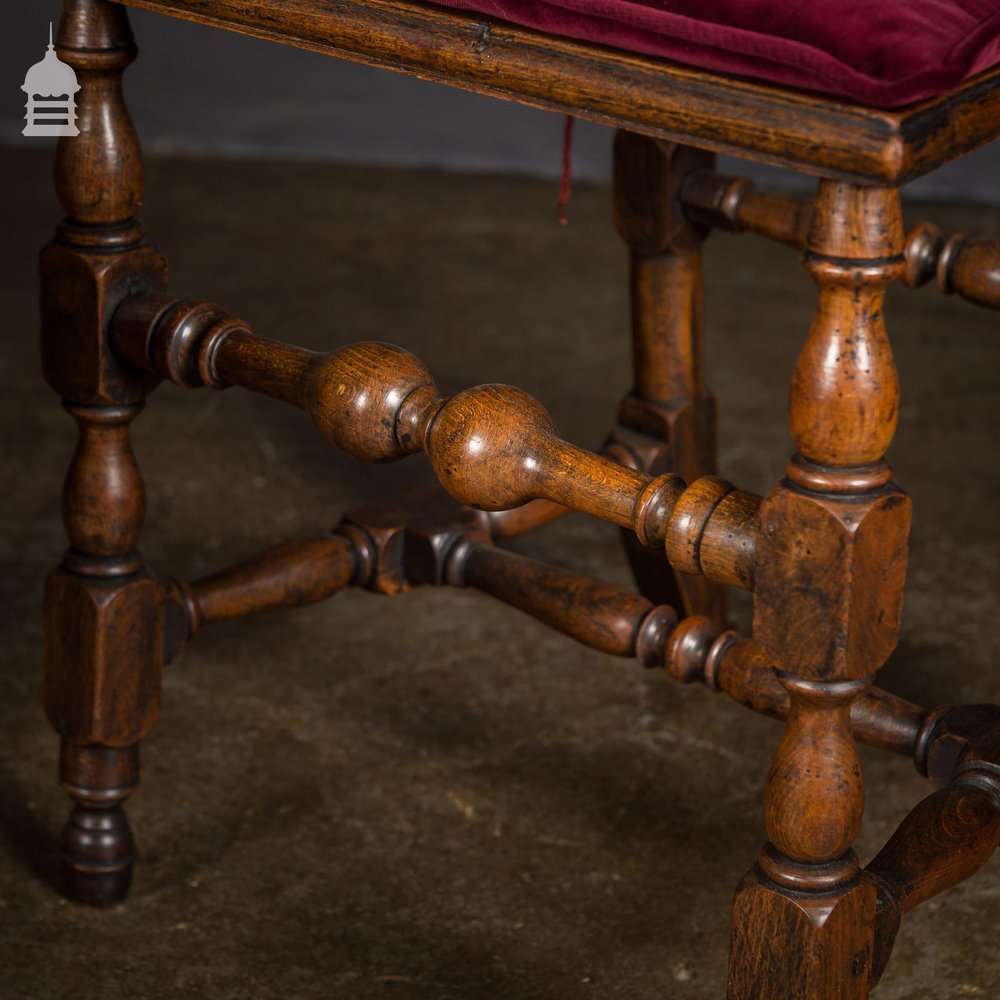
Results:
24 837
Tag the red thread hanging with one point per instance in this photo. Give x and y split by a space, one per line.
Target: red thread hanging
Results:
567 170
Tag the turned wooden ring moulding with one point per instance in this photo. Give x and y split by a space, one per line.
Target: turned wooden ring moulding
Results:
823 552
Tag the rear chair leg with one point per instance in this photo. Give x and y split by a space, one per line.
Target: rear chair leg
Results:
667 423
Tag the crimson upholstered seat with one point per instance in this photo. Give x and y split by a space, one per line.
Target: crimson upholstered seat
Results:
885 53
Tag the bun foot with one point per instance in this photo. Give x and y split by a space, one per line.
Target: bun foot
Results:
98 850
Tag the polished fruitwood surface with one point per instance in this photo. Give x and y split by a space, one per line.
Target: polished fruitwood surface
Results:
828 598
492 447
814 134
287 576
104 611
947 837
824 552
970 267
433 540
668 421
967 266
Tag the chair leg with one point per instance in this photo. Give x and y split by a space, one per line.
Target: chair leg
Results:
104 612
668 420
828 598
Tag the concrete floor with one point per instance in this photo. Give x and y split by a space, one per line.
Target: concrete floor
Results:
433 796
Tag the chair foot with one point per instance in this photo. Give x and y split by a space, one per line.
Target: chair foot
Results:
786 943
98 849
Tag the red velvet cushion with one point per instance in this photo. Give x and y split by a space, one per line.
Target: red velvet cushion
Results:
883 53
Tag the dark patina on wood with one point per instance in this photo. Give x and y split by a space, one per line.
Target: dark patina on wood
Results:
824 552
650 96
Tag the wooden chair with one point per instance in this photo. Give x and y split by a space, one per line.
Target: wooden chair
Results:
824 552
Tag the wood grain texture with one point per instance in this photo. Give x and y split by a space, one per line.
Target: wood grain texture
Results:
820 947
98 255
969 267
99 172
877 717
528 517
104 612
789 128
600 615
951 834
946 735
844 397
814 794
289 575
284 576
103 655
668 422
944 839
825 552
829 579
492 447
831 557
735 204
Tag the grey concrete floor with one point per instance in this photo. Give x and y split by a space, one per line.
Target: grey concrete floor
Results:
432 796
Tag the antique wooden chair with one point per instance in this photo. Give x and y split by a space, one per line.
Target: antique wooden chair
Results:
895 91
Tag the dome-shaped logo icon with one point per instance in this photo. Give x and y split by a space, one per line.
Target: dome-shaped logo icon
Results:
51 88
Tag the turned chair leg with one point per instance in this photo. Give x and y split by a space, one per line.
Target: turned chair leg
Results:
667 423
104 612
828 599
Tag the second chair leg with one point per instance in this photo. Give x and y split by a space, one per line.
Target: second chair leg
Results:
669 416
